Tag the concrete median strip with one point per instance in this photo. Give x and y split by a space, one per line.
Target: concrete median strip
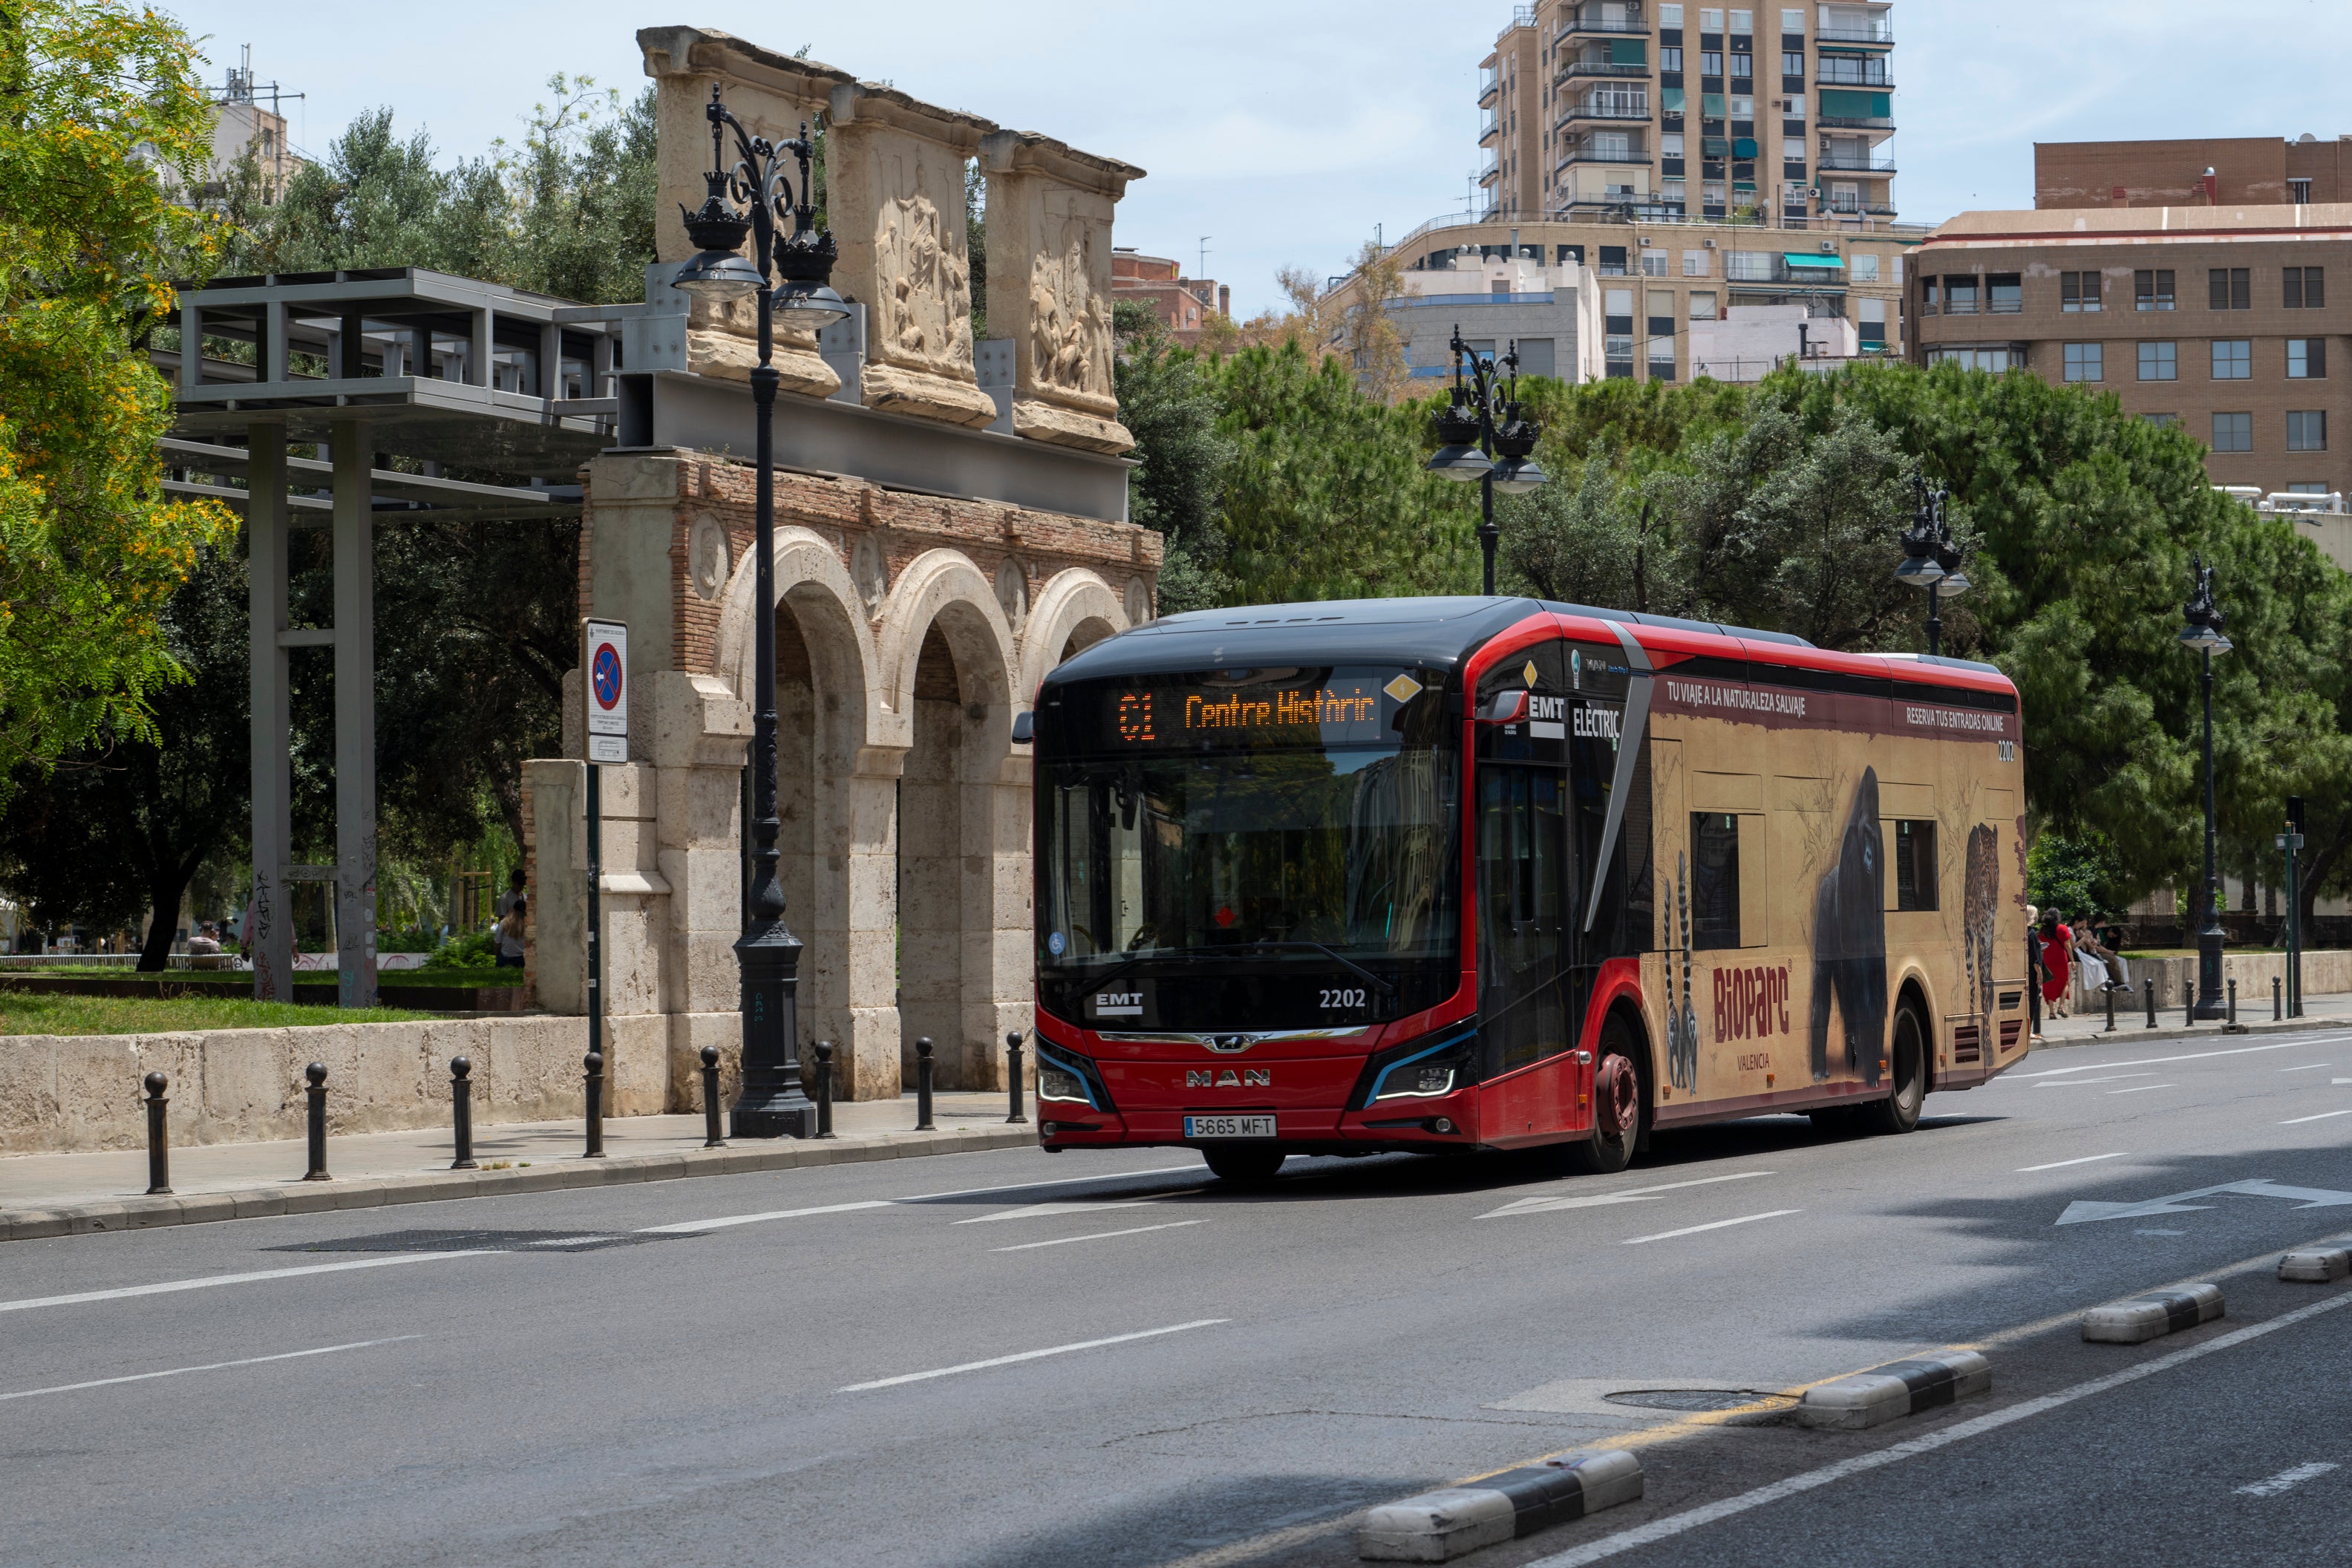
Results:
432 1187
1439 1525
2145 1318
2318 1266
1897 1389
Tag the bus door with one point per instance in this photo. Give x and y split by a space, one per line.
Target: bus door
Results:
1619 926
1526 883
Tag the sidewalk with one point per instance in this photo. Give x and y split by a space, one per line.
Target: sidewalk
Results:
60 1194
2090 1028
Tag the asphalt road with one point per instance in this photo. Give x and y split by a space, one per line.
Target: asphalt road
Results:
936 1361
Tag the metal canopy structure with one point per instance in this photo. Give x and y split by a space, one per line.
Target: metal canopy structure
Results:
371 368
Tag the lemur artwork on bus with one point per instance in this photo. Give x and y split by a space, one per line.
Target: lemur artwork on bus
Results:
1850 942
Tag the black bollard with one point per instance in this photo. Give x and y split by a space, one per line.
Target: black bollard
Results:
2233 999
2111 1009
1013 1054
594 1062
2187 1007
317 1073
2148 983
159 1153
923 1085
2278 1007
461 1112
710 1138
824 1088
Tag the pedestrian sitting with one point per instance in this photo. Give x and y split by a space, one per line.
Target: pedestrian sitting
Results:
2103 966
204 947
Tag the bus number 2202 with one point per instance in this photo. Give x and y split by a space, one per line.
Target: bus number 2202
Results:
1335 1000
2008 751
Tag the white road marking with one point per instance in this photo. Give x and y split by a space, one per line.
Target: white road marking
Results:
1036 1355
722 1221
2082 1210
2340 1080
1546 1204
208 1280
2137 1089
1050 1211
2161 1061
2060 1164
1100 1235
2286 1480
2308 1065
2079 1082
2323 1116
1673 1525
1718 1224
214 1366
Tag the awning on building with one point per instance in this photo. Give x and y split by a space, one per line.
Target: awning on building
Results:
1801 259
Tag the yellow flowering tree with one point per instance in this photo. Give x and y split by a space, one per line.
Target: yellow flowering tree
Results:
102 117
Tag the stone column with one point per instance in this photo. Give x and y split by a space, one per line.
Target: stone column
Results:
893 202
1049 225
701 733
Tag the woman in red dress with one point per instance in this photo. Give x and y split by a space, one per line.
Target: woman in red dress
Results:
2057 952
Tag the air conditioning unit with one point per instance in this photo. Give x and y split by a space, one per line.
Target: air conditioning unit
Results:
1829 247
1709 244
1645 242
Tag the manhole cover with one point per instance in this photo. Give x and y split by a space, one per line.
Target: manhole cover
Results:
1697 1399
480 1241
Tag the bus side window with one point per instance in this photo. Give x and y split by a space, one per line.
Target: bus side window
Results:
1914 853
1715 879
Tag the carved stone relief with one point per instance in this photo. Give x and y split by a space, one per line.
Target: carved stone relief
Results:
866 569
707 558
1012 593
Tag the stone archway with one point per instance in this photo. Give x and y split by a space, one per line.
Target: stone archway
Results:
834 789
1075 610
962 862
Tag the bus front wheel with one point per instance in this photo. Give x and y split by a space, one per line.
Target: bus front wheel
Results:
1899 1112
1233 1162
1616 1109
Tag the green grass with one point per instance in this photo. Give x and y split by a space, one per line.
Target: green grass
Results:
242 979
39 1013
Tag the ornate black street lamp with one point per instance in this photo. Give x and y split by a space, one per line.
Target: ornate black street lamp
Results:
2204 633
772 1104
1480 426
1931 560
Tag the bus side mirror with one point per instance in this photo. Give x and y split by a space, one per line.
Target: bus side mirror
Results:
1505 708
1024 727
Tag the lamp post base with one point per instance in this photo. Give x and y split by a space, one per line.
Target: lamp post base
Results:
772 1104
781 1119
2210 1001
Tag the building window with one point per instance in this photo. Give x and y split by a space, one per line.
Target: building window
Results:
1742 108
1961 295
1872 325
2233 432
1792 64
2158 362
1931 291
1702 305
1793 22
1710 62
2230 287
1670 57
1864 267
2234 359
1670 15
1694 264
1743 67
2306 359
2152 290
2307 430
2004 294
2084 361
2163 421
2307 288
2078 292
1915 865
1715 879
1654 264
1998 359
1743 21
1711 192
1750 266
2299 191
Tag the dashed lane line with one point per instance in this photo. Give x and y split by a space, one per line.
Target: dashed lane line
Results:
1098 1236
2143 1087
2286 1480
211 1367
1030 1355
2298 1120
1718 1224
1684 1523
164 1287
723 1222
2061 1164
2155 1061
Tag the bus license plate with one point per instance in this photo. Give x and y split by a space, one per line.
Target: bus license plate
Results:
1229 1127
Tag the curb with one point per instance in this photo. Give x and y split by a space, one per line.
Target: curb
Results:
1439 1525
438 1187
2317 1265
2146 1318
1899 1388
2139 1031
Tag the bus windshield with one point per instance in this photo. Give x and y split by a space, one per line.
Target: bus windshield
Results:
1301 820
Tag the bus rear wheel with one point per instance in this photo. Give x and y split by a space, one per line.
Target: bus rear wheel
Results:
1616 1107
1899 1112
1232 1162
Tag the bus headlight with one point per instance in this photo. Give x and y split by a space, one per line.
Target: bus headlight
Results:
1052 1083
1419 1082
1425 1075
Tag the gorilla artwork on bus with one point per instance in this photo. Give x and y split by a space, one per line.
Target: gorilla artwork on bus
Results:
1850 942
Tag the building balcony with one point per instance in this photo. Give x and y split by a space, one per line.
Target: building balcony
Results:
1582 153
1570 70
1605 107
1834 72
1489 127
1601 20
1486 177
1847 164
1884 124
1878 35
1490 85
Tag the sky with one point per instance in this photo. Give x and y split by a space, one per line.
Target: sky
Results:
1290 134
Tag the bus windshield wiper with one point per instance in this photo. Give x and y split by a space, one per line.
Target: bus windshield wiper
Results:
1387 987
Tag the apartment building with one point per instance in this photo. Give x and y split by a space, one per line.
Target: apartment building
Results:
2220 320
1672 298
242 125
2210 171
1181 303
1780 115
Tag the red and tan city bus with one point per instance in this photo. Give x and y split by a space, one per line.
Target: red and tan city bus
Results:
1490 873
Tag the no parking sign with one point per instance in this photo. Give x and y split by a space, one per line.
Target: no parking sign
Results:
604 685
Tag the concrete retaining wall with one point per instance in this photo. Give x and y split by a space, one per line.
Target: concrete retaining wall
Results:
2324 972
76 1092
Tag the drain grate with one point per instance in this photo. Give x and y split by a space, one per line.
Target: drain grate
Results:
480 1241
1701 1399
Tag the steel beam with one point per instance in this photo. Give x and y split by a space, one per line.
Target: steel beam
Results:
270 931
354 717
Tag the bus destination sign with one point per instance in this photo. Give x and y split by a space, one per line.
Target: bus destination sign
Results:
1306 708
